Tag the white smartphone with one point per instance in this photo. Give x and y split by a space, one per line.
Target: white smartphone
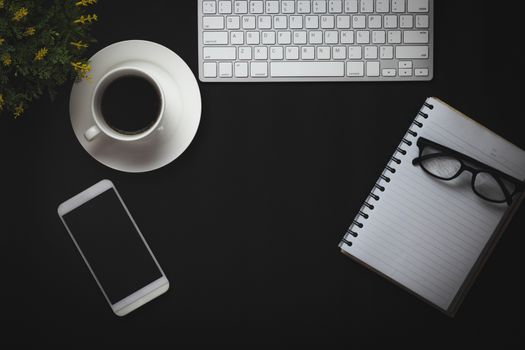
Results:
113 248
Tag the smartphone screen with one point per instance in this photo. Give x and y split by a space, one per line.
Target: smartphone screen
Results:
112 246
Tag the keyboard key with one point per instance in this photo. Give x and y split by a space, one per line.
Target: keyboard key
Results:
241 70
363 37
248 22
415 37
374 22
398 6
259 69
268 38
371 52
355 69
308 53
422 72
264 22
225 7
331 37
412 52
406 21
327 22
390 22
277 53
372 69
347 37
355 53
339 52
386 52
367 6
245 53
307 69
359 22
417 5
389 72
378 37
253 38
233 22
296 22
256 7
225 70
405 72
394 37
350 6
304 6
312 22
343 22
241 7
422 21
272 7
299 37
284 38
215 38
260 53
209 7
316 37
210 70
292 53
323 52
237 38
335 6
219 53
288 7
213 22
404 64
382 6
280 22
319 6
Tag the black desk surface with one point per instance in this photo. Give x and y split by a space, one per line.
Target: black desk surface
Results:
247 221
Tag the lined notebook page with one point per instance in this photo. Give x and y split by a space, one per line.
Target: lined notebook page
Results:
424 233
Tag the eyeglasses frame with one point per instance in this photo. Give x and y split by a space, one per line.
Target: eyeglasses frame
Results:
462 158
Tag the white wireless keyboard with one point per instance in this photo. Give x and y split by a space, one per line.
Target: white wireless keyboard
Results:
315 40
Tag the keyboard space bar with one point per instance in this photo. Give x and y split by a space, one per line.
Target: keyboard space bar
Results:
307 69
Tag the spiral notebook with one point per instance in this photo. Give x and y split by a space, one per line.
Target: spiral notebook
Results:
430 236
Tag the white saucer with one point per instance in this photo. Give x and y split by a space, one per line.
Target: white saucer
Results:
183 107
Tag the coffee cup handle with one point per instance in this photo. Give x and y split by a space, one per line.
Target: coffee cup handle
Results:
91 133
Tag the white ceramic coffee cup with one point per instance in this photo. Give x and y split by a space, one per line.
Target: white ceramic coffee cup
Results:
101 126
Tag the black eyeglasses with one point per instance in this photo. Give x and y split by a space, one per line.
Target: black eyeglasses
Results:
446 164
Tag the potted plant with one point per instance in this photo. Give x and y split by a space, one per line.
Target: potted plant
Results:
42 45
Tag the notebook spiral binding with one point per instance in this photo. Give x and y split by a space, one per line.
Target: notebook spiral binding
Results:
390 169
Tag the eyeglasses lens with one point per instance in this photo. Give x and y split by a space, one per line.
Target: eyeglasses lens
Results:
441 166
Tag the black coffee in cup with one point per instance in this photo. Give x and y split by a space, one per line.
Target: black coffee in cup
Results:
130 104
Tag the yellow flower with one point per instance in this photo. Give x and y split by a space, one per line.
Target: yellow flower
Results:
40 54
21 13
6 59
79 44
82 69
2 40
30 31
19 110
1 102
86 19
86 2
